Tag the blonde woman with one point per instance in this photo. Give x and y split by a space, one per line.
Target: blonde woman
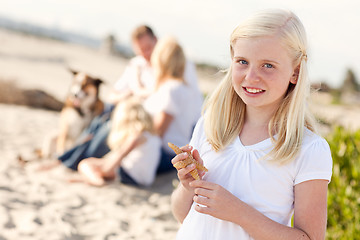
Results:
172 104
257 139
135 148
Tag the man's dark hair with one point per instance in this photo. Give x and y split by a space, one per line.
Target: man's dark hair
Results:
140 31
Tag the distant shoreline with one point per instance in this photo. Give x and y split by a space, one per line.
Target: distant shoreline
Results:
122 50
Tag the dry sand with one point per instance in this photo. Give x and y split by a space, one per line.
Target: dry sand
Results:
43 205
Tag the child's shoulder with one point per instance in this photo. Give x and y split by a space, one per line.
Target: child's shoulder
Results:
199 139
311 139
199 129
314 161
173 86
315 146
151 136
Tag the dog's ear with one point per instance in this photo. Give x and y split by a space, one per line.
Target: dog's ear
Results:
98 81
73 71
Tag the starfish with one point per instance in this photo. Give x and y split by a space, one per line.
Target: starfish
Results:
187 161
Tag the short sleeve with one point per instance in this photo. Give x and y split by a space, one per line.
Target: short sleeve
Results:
314 162
173 96
170 101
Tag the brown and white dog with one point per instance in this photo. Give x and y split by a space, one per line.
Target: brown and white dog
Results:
81 106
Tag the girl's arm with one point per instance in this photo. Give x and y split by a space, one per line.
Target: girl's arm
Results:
111 164
310 211
162 122
182 197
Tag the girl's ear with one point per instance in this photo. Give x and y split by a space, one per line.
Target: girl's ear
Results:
295 75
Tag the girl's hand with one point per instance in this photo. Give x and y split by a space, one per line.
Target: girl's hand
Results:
184 173
182 197
215 200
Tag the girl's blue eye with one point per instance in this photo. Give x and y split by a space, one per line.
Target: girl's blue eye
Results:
268 65
242 62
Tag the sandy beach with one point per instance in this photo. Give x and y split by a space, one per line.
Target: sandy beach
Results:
43 205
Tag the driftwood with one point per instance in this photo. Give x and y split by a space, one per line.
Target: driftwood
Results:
10 93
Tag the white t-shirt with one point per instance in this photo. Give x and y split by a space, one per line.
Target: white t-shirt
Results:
142 162
174 98
267 187
138 72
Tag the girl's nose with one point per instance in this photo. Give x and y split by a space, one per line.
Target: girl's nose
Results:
252 74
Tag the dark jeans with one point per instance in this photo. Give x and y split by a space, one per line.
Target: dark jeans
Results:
165 164
95 147
125 178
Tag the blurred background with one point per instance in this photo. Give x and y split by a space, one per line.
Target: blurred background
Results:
203 27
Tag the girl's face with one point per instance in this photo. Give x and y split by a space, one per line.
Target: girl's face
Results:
261 71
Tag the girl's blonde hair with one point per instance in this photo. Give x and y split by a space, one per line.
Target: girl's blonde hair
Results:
129 118
168 60
225 110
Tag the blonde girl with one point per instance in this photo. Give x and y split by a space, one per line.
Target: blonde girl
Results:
257 139
134 148
172 105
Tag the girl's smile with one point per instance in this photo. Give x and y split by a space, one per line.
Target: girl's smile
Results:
251 90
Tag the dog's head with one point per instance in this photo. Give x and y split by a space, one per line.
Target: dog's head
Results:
84 91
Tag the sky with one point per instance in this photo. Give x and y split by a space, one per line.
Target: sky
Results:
203 27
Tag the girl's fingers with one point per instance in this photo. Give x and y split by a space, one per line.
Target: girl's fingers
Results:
197 157
203 192
202 208
179 157
200 199
185 172
201 173
203 184
186 148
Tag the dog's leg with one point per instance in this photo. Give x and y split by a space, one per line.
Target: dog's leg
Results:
48 149
65 117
